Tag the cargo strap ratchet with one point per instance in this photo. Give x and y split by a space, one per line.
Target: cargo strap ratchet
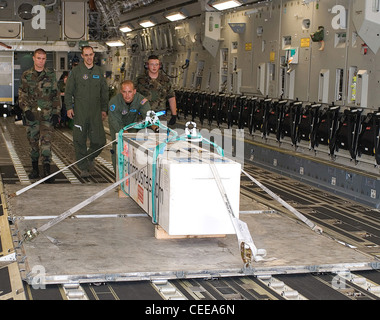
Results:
248 250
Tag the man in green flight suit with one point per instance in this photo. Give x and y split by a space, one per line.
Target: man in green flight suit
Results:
124 109
39 99
86 99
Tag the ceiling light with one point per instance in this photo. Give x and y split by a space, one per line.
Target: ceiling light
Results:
116 43
125 29
175 16
226 4
147 23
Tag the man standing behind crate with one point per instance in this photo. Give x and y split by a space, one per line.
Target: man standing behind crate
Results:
86 98
124 109
157 88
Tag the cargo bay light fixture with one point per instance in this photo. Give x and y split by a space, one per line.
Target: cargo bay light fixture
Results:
115 43
177 15
225 4
126 28
147 23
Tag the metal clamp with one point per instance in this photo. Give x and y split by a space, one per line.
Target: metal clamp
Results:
29 235
191 132
152 117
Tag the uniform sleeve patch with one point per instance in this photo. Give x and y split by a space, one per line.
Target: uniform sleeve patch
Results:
144 101
112 107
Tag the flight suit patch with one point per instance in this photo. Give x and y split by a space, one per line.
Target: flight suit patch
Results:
112 107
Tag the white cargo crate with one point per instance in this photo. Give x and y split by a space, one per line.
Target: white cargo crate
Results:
187 197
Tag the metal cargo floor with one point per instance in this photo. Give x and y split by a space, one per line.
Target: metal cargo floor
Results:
113 240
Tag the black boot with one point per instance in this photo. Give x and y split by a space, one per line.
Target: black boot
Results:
35 174
47 173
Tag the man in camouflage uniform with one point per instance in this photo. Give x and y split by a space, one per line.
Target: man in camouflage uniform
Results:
40 102
157 88
124 109
86 99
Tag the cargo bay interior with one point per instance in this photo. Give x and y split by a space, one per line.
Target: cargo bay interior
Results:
288 89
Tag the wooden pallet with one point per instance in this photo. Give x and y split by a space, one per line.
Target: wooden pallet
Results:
161 234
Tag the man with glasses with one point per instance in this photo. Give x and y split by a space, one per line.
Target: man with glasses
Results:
86 99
